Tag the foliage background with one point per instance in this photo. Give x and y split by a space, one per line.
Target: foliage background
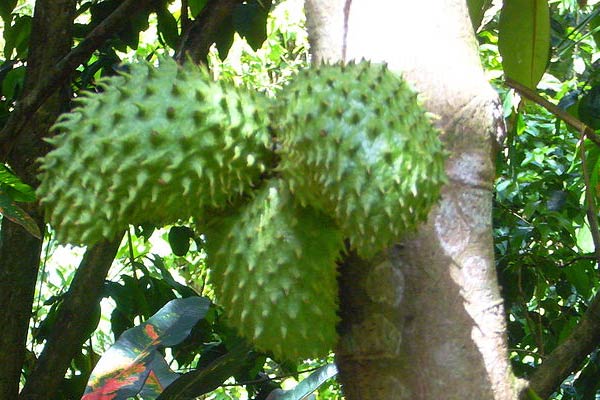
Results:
543 240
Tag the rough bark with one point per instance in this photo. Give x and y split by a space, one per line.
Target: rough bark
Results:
19 251
426 320
19 259
72 322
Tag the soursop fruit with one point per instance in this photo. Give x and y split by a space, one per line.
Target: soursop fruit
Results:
157 144
355 142
273 266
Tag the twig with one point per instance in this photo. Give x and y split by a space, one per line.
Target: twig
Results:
268 378
62 71
200 34
592 212
185 17
554 109
528 352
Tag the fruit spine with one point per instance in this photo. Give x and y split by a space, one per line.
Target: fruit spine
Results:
356 144
158 144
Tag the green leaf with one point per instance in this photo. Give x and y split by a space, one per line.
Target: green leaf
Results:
183 290
477 9
532 395
224 37
179 239
209 377
13 212
595 28
250 21
12 84
24 192
167 26
589 108
16 37
524 40
159 378
134 358
6 8
584 239
307 386
196 6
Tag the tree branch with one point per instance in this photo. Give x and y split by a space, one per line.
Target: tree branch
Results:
200 35
570 354
73 321
60 73
19 261
50 40
554 109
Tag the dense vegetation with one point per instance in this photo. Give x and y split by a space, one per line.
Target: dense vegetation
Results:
544 209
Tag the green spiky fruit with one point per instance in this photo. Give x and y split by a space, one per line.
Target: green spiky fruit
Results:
273 265
356 143
158 144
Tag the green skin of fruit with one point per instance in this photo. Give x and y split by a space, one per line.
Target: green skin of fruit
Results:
273 266
158 144
356 144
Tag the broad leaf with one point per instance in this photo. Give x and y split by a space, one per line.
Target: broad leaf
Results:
6 8
159 378
477 9
307 386
224 37
196 6
134 358
524 40
9 209
168 278
250 21
17 36
21 191
179 239
167 26
589 108
210 377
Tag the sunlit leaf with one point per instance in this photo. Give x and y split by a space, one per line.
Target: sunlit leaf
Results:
125 367
524 40
167 26
9 209
23 191
159 378
196 6
307 386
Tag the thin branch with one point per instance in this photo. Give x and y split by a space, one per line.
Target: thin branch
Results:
73 322
592 212
185 17
62 71
267 378
570 354
554 109
201 33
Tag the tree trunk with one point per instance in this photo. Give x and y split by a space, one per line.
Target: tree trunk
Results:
425 320
19 251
